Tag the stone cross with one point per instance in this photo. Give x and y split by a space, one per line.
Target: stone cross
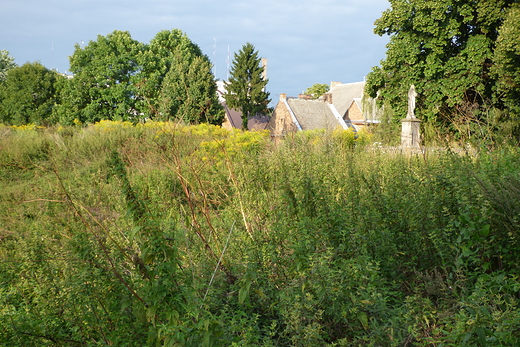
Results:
411 102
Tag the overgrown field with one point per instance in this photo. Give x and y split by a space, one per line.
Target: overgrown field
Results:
157 234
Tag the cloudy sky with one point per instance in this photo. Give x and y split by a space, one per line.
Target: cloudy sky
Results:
305 41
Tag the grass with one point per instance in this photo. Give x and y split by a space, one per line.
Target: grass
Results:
162 234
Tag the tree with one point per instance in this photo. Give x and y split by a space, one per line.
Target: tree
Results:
28 95
119 78
102 87
445 48
317 90
156 61
189 91
245 89
6 64
507 61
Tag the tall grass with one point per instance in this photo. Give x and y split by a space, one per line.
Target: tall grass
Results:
170 235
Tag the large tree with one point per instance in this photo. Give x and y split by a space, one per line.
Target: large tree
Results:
446 49
28 94
119 78
189 91
103 84
245 89
507 64
156 61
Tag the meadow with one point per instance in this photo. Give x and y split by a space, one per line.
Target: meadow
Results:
160 234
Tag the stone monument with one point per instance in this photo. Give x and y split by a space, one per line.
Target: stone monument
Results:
410 133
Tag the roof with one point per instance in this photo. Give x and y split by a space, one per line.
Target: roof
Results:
234 116
258 122
344 94
313 114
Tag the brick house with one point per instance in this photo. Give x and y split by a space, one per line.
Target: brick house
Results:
342 106
304 113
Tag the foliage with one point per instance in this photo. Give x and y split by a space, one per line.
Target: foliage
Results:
158 234
160 57
6 64
118 78
317 90
102 86
28 95
189 91
447 50
507 66
245 90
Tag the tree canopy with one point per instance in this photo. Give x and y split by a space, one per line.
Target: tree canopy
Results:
156 60
245 89
448 50
119 78
189 91
317 90
28 94
507 61
102 87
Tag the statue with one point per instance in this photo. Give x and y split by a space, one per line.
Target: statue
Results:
410 132
411 102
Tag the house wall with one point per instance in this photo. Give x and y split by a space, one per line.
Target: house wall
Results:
354 114
227 124
281 121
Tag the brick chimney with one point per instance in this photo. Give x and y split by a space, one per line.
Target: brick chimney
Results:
264 65
283 97
327 97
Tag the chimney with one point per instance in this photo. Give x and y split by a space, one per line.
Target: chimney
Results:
264 65
327 97
334 83
304 97
283 97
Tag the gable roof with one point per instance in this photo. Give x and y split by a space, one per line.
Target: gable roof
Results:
313 114
233 116
344 94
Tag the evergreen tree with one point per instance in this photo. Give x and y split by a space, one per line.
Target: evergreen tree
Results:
189 91
246 87
156 61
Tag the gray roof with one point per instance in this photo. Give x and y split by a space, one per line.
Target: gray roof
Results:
258 122
313 114
234 116
344 94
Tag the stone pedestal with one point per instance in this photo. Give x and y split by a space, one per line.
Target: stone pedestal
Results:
410 133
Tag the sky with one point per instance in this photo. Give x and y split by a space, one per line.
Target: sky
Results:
305 42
